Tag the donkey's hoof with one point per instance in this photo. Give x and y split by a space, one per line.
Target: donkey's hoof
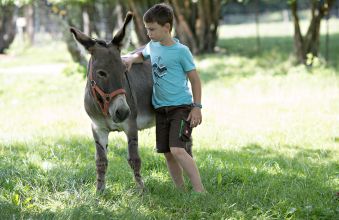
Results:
100 192
100 187
140 183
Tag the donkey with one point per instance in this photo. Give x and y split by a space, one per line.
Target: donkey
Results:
116 100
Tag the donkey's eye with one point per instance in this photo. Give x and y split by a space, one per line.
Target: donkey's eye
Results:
102 74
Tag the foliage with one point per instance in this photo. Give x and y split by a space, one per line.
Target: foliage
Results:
17 2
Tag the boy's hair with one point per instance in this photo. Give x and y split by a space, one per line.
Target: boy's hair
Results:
161 13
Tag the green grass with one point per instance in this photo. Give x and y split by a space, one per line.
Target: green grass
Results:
275 28
277 51
276 43
267 148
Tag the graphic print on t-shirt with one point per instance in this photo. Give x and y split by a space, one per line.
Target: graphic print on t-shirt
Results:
159 69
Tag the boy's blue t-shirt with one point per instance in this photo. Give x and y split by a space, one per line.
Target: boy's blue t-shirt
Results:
169 67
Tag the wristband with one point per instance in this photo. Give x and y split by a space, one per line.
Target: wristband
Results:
198 105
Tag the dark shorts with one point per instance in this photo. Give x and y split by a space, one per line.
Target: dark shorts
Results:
169 125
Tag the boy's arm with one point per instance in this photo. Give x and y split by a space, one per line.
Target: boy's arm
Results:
130 59
195 116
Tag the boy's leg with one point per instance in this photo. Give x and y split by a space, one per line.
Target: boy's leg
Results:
162 145
175 170
178 146
188 164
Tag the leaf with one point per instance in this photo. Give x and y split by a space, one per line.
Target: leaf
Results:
16 199
291 211
219 179
27 201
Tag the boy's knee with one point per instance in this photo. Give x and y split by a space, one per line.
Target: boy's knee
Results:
168 156
177 151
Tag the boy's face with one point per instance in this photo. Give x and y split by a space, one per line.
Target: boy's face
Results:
156 32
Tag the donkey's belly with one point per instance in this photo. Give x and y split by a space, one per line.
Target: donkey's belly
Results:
107 124
116 127
145 121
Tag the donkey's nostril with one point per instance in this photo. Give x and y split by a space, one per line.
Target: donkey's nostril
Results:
121 114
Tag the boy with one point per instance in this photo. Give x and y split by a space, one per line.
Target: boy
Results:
172 64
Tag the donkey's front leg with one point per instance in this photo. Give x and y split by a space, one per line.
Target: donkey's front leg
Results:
133 155
101 142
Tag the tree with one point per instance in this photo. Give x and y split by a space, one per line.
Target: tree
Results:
95 18
8 15
195 22
306 47
29 16
139 7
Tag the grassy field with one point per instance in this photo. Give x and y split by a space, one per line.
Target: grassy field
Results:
267 148
274 29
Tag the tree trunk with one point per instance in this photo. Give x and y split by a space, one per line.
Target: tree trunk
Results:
29 16
183 30
73 48
298 38
8 14
139 8
309 44
327 56
110 18
86 22
312 38
104 18
74 21
257 24
197 23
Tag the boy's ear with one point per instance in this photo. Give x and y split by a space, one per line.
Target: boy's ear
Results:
168 26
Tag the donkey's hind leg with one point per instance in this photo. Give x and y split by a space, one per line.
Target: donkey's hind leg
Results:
101 142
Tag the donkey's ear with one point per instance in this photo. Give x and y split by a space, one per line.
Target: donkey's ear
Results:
123 36
82 38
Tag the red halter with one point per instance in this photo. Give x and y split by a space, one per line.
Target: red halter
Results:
106 97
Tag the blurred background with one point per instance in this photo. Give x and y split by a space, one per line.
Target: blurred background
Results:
268 146
255 58
202 25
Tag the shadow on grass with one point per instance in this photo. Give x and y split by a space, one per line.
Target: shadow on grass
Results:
253 181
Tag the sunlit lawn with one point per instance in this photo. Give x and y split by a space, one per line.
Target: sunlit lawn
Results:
267 148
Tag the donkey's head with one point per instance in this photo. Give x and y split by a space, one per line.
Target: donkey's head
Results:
106 71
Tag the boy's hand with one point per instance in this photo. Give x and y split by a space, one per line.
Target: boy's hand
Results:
127 61
195 117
